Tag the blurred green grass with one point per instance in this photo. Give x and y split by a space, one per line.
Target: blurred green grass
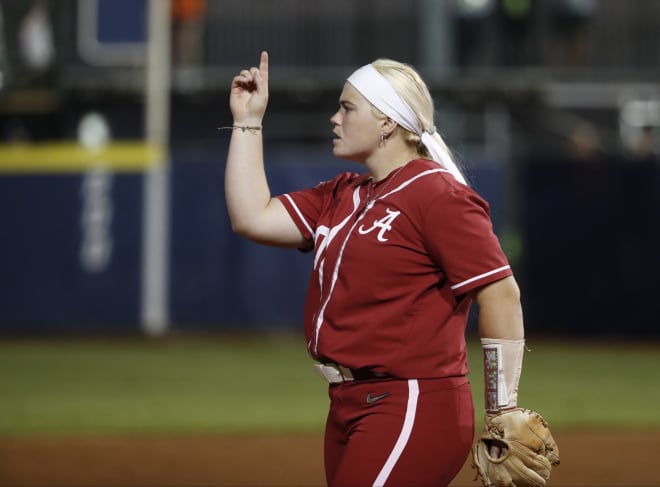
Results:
227 383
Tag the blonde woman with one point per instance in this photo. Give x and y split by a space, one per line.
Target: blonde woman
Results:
400 252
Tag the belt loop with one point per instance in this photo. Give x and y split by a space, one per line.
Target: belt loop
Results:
346 373
337 374
334 374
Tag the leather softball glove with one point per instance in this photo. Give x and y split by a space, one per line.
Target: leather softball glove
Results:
516 449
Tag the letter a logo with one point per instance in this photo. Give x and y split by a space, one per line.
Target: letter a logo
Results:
384 224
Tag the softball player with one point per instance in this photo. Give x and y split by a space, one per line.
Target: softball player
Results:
400 252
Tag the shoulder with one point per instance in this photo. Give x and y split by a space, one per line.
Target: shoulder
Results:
433 179
433 174
341 181
325 192
433 187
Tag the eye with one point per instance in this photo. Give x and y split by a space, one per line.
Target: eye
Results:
346 107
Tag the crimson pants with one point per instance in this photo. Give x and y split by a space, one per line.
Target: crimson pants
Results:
404 433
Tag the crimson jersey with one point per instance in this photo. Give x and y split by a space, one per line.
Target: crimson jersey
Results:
392 265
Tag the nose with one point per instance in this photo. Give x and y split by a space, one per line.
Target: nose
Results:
334 120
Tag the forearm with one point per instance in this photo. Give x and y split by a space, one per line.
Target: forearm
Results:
254 214
246 188
502 339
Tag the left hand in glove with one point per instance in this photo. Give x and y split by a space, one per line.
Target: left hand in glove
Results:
516 449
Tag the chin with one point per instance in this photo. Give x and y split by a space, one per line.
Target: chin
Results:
346 155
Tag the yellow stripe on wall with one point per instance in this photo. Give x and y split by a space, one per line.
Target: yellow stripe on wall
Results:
71 157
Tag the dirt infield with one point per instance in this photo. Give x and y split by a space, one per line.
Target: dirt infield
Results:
589 458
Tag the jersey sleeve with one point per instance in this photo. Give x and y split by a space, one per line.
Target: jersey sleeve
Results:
306 206
460 238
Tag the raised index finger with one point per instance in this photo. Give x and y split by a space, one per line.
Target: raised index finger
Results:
263 65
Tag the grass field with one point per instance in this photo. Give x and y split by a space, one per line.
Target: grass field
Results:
223 384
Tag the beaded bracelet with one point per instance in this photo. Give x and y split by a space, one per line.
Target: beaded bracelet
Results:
243 128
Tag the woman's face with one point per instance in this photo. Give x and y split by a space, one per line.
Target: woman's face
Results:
356 127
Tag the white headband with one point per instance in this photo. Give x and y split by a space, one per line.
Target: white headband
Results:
380 93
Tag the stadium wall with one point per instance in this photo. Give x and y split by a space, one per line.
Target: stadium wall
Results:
71 246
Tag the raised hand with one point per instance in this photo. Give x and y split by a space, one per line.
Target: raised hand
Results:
249 93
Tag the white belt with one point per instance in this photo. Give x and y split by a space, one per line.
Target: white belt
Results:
334 374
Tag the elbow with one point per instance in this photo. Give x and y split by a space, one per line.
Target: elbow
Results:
507 295
512 291
500 310
241 229
241 222
248 231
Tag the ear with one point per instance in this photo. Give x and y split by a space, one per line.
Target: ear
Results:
387 126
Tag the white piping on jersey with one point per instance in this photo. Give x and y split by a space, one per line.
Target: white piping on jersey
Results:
320 231
299 213
335 273
476 278
330 233
411 180
404 436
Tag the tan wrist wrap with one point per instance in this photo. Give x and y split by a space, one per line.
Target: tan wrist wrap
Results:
502 369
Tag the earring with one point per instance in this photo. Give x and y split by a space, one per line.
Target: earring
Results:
382 140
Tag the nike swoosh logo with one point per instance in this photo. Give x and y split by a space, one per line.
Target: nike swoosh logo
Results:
372 399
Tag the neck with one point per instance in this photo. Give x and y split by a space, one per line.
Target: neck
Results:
384 161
